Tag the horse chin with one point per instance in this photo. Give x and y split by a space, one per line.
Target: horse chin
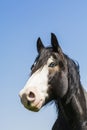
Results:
35 107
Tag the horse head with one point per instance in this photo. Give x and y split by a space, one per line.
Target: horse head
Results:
48 79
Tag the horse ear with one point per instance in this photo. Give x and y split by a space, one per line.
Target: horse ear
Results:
40 45
55 43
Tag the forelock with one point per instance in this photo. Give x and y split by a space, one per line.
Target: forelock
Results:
42 58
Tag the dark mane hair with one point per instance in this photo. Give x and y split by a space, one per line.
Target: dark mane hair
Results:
73 77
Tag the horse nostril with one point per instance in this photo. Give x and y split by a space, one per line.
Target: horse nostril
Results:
31 95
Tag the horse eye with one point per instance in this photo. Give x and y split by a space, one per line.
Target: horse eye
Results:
52 64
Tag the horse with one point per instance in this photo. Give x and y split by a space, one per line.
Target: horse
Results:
56 77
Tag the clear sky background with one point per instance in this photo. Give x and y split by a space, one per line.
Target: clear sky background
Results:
21 23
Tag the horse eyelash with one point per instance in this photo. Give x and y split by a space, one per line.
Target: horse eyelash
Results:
33 65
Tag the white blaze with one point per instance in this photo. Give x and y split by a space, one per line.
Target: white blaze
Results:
38 83
37 87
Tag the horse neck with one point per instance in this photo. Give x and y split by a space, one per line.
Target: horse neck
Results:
74 110
73 105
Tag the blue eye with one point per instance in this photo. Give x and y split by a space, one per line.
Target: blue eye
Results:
52 64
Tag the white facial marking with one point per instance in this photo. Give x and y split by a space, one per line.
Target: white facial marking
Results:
38 84
38 80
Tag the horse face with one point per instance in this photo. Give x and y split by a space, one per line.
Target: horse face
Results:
48 78
35 91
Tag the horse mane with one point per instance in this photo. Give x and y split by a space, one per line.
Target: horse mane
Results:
73 77
74 87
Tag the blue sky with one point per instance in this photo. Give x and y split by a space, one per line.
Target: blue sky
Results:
21 23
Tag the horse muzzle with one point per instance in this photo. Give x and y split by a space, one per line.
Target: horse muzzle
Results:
31 100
